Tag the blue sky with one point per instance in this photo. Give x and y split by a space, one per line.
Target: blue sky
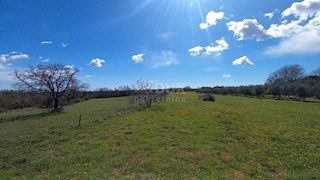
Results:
169 42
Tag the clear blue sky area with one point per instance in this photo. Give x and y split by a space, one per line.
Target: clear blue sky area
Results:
169 42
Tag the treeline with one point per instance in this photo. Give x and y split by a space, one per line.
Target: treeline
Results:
289 81
18 99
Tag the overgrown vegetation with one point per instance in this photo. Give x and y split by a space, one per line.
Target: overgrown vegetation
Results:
206 97
289 81
235 137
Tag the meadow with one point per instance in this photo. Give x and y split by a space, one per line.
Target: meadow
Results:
181 138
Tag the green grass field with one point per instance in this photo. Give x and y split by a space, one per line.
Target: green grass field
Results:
232 138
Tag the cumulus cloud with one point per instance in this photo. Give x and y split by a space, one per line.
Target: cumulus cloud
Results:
89 76
226 75
285 29
307 42
46 42
244 61
6 73
221 46
97 62
247 29
13 56
162 59
195 51
138 58
211 19
303 10
301 35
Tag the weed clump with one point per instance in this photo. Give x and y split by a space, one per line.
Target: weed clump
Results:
207 97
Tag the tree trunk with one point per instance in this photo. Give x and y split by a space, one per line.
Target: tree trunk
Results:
56 104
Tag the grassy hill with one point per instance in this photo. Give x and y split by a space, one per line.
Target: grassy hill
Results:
233 138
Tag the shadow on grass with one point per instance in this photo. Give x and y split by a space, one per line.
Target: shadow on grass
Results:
26 117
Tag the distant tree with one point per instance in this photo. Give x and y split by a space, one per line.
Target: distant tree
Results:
259 91
316 91
286 74
245 90
187 88
53 79
287 90
144 93
302 92
275 90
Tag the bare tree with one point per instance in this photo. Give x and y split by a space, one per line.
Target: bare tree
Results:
286 74
144 92
52 79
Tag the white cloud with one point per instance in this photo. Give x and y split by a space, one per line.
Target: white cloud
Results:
247 29
13 56
165 58
69 66
5 70
43 59
285 29
45 42
5 73
195 51
226 75
244 60
301 35
303 10
211 19
64 45
97 62
307 42
3 58
89 76
221 46
138 58
269 15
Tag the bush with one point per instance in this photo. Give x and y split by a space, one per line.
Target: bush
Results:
207 97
